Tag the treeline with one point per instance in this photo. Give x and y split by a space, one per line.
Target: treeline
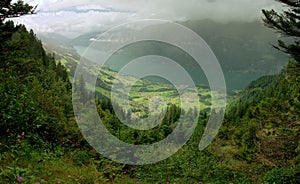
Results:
35 91
262 127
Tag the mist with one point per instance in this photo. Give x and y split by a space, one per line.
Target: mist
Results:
76 17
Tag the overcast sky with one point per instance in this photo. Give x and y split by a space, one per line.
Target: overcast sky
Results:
74 17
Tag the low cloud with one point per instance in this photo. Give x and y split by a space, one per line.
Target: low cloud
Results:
72 18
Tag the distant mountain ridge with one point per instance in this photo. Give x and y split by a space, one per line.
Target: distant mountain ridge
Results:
239 46
244 49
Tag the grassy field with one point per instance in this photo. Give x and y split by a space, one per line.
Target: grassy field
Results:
145 95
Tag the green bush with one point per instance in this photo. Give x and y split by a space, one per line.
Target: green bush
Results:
282 176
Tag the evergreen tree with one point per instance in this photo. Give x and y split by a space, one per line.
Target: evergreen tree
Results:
17 9
35 91
82 90
288 24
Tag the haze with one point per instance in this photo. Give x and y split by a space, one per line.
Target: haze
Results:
76 17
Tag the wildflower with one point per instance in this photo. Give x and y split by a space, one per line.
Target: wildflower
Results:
20 179
200 182
43 180
37 182
137 182
23 134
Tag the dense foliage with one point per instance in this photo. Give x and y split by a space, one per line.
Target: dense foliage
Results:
35 91
262 123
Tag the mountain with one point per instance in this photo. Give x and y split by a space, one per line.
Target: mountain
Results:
61 49
244 50
262 128
85 39
55 41
40 140
241 46
35 90
141 92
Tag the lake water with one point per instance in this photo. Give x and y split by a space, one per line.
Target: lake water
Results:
234 80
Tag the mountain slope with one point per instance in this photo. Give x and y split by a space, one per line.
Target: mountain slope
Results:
262 127
240 46
142 91
244 50
35 91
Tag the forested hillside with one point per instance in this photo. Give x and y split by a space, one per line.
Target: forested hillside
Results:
261 130
35 91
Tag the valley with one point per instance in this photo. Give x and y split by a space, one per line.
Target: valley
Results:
65 120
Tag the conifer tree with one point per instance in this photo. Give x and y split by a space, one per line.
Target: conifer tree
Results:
17 9
288 24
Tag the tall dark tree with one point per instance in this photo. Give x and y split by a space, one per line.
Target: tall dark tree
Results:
288 24
17 9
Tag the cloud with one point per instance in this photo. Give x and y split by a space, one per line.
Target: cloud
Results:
72 24
75 17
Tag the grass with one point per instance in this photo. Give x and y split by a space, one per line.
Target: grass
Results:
142 91
61 165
